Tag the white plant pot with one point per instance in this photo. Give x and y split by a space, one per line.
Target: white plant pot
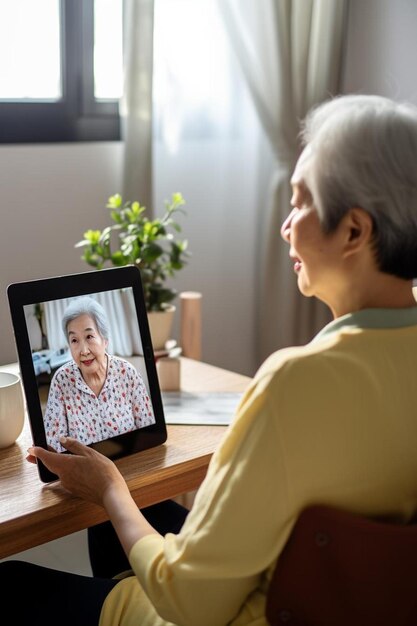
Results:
160 326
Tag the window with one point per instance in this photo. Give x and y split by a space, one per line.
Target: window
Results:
61 67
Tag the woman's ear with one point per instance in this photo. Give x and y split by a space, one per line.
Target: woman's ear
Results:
358 231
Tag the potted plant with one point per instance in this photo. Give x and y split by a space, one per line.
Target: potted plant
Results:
151 245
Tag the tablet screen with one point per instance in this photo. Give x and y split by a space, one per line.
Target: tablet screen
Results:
87 361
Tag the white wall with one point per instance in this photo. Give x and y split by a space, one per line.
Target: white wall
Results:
381 48
50 194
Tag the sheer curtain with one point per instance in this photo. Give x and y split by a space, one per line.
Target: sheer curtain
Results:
136 103
289 52
205 145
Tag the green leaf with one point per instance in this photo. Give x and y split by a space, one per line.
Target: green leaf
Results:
92 236
177 199
105 235
92 259
116 217
151 251
137 209
119 259
150 229
114 202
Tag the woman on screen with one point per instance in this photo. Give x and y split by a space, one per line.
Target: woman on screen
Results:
96 395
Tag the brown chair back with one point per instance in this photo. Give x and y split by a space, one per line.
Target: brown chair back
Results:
341 569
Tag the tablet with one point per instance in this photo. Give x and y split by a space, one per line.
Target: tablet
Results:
87 362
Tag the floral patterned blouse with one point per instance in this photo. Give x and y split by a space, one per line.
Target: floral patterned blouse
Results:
73 408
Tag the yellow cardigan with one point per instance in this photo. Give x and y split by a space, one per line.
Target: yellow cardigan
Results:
332 422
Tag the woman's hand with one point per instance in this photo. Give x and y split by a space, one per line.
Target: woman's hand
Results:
85 472
89 475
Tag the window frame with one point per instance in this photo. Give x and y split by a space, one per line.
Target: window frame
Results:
77 116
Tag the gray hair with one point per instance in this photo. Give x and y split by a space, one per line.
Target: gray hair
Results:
364 154
86 306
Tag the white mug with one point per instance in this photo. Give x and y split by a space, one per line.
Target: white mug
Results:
12 410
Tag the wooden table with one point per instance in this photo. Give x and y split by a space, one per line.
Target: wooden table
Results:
32 513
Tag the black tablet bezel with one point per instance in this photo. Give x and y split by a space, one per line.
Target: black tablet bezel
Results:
21 294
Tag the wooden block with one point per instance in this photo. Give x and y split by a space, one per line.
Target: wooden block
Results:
191 324
169 373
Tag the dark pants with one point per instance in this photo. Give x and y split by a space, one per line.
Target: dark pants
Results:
49 597
107 557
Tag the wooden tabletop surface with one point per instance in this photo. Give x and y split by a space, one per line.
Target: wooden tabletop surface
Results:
32 513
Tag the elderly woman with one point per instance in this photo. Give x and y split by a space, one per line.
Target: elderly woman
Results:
332 422
96 395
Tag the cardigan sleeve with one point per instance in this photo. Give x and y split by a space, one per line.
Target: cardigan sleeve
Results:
204 575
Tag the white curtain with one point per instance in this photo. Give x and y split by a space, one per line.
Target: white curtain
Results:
121 316
290 54
206 134
136 103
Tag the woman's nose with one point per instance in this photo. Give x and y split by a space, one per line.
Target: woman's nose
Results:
286 227
84 349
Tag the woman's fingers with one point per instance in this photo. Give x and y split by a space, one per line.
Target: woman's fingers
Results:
74 446
69 443
32 458
51 459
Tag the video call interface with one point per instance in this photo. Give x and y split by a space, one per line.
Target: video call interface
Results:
91 375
